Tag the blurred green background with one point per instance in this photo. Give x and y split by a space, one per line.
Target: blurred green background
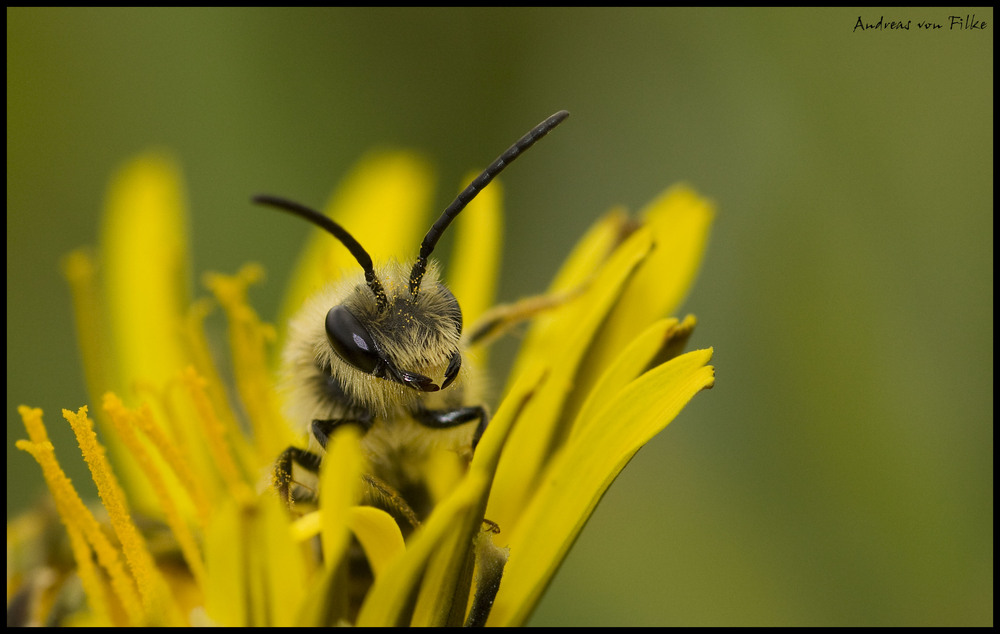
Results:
841 471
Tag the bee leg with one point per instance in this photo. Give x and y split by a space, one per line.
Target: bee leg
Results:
381 495
379 491
283 470
322 429
445 418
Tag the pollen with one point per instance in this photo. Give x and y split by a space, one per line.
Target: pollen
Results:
125 423
87 537
249 341
215 435
156 599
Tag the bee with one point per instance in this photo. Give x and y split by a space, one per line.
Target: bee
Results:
383 349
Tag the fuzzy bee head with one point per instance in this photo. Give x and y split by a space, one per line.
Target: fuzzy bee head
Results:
399 327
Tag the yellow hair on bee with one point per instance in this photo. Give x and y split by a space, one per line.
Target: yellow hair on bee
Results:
416 333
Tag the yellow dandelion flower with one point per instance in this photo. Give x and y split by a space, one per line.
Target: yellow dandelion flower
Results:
191 529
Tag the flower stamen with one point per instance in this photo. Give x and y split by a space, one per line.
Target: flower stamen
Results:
84 529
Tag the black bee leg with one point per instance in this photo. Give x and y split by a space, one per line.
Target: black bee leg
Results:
283 478
445 418
323 429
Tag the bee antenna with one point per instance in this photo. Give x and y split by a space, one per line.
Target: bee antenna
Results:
470 192
338 232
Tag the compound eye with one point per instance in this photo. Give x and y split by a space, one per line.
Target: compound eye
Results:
351 340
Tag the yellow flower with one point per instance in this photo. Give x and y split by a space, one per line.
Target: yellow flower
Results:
191 532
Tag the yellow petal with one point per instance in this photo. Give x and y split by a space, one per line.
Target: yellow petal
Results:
573 327
387 602
680 221
340 489
580 474
629 364
383 203
459 514
255 568
226 594
144 251
490 563
284 567
378 534
588 255
133 325
447 578
662 341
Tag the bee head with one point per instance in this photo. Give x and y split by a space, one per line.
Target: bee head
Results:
410 339
399 325
388 326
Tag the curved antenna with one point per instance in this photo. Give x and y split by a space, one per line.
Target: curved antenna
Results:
338 232
470 192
